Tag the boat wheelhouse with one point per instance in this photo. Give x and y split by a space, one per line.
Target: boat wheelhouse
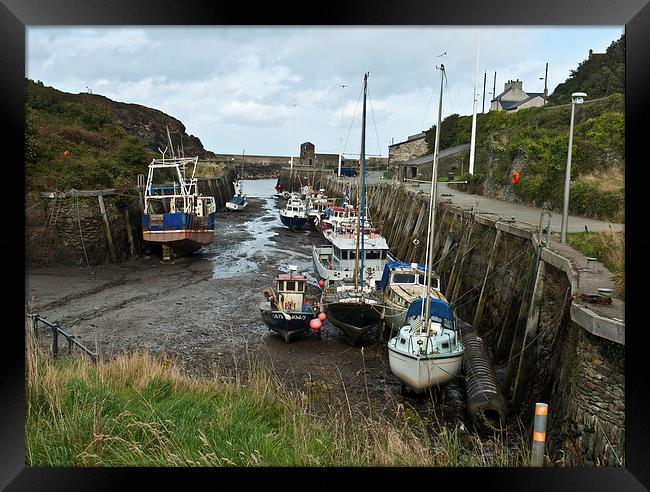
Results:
294 215
401 284
290 307
337 260
175 214
334 216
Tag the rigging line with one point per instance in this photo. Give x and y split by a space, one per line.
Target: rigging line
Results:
426 111
372 111
456 306
352 122
447 267
555 316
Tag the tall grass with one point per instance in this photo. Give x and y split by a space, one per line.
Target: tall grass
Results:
140 410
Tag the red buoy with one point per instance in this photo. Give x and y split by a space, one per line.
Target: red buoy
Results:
315 324
321 282
322 316
66 153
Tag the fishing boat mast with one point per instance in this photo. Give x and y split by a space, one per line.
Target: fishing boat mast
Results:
432 205
358 273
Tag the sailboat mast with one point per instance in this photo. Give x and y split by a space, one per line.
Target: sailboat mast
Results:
432 216
360 188
363 174
241 175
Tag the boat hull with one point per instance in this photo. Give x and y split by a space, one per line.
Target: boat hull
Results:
288 329
354 319
420 374
235 206
179 230
293 223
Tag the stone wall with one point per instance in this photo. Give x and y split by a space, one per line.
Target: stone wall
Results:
405 151
538 353
71 230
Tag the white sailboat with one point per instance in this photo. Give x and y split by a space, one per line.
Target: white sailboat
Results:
352 305
427 350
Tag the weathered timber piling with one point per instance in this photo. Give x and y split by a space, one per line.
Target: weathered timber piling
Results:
485 403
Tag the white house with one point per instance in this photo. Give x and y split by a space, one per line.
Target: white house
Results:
513 98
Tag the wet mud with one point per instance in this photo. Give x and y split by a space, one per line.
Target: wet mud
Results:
202 311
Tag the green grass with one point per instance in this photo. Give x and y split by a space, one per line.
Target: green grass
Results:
609 248
137 410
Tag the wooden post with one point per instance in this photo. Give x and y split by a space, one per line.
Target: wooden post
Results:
478 315
166 252
55 340
454 295
107 227
129 234
528 356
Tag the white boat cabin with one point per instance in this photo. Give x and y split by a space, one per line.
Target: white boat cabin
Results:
291 291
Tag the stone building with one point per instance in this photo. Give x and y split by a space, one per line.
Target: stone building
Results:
513 98
398 154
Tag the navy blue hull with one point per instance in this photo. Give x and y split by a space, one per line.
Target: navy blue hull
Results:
293 223
287 328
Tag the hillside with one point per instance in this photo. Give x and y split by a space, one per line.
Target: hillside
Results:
534 141
105 139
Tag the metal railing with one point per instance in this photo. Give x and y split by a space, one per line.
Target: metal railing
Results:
56 331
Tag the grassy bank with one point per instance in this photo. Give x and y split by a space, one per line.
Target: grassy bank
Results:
140 410
609 248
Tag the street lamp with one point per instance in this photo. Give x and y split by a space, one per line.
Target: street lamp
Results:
577 98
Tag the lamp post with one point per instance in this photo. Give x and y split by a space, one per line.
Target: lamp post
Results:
577 98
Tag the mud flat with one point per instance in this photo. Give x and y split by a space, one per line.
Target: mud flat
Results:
202 311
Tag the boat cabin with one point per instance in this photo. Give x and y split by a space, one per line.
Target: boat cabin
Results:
291 291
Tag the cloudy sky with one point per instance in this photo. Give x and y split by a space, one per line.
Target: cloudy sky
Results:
235 87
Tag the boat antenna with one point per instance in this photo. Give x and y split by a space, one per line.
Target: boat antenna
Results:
432 205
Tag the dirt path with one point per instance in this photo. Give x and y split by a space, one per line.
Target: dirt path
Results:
202 311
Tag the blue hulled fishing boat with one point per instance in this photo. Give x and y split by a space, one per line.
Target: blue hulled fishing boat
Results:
175 214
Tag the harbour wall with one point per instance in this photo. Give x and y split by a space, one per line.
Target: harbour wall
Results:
519 297
71 229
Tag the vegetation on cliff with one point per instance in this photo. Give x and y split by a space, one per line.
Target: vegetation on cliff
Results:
86 141
534 141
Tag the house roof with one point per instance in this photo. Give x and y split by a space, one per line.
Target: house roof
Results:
443 153
410 138
508 105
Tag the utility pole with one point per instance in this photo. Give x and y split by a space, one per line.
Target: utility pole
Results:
545 86
494 87
484 80
577 98
473 139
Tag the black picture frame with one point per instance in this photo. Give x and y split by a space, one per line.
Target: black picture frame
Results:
15 15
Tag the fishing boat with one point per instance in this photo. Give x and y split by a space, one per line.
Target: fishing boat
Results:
294 215
338 259
289 308
401 284
351 304
175 214
239 201
428 350
334 215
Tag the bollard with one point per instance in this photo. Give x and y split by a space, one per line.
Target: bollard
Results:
539 435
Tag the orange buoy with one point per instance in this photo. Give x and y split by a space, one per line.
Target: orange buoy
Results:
66 153
516 176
